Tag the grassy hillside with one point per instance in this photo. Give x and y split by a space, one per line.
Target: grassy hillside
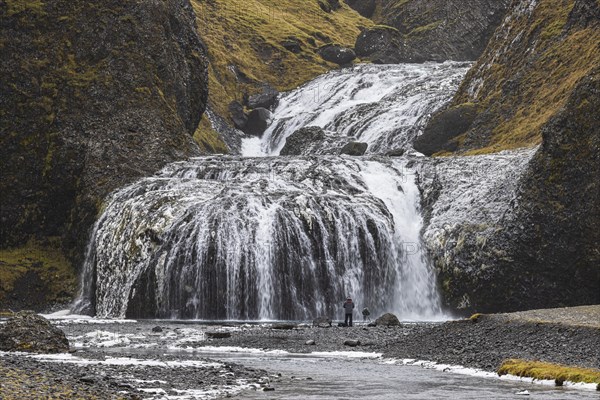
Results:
244 40
528 73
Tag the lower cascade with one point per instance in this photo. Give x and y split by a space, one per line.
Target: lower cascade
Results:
279 238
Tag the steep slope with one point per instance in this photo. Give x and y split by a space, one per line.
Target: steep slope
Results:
539 82
94 95
253 43
525 77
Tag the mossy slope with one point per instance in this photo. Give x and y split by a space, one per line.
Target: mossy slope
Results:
528 72
244 41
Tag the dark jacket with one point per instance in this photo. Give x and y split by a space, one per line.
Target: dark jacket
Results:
348 306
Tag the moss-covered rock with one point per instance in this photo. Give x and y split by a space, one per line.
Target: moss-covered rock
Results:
94 95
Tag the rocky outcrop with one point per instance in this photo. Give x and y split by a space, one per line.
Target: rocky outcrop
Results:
258 121
354 148
32 333
528 73
430 30
543 252
93 96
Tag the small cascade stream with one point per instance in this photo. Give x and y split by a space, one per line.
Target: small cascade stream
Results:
282 238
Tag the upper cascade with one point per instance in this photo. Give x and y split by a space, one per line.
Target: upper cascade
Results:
385 106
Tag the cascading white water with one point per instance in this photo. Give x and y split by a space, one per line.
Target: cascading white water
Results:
282 237
385 106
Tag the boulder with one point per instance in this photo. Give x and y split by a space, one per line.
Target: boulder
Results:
329 5
310 343
337 54
351 342
258 122
267 98
302 139
322 322
387 319
237 114
366 8
445 126
157 329
380 45
30 332
218 335
354 149
395 153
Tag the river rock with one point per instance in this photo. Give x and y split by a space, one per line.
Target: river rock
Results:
218 335
387 319
157 329
302 139
32 333
354 149
267 98
351 342
322 322
258 121
310 342
337 54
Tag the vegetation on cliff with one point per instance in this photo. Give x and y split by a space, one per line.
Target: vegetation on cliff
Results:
247 39
527 74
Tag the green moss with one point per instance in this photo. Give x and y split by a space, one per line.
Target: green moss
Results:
21 6
46 260
424 28
247 34
475 317
208 139
542 370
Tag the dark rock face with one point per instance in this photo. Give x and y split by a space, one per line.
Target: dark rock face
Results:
237 114
87 108
366 8
355 149
267 98
381 45
258 121
546 254
444 126
387 319
302 139
32 333
337 54
430 30
292 44
329 5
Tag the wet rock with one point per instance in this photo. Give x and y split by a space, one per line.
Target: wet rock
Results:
387 319
218 335
258 122
354 149
301 140
322 322
236 112
351 342
30 332
157 329
267 98
337 54
310 342
268 389
395 153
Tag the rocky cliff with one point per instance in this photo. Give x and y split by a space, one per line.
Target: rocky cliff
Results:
427 30
94 95
538 82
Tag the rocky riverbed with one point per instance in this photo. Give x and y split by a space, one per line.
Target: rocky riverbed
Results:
167 359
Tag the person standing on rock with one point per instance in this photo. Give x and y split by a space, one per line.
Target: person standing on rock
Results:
348 308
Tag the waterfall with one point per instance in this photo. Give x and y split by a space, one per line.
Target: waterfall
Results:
282 238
